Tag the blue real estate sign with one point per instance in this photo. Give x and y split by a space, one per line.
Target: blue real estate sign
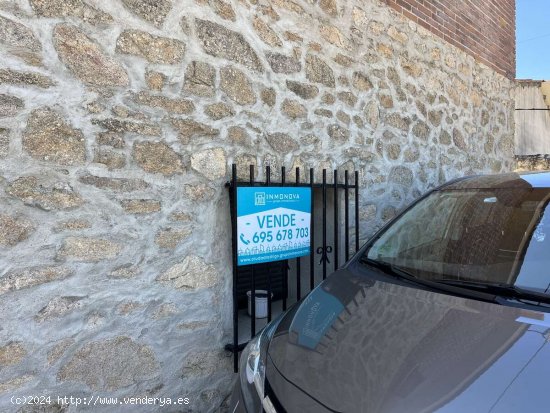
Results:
273 223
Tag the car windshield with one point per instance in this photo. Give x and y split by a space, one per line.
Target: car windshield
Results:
483 236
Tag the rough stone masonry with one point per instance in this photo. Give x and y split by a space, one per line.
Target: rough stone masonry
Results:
118 122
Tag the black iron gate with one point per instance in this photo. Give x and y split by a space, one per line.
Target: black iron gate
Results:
277 278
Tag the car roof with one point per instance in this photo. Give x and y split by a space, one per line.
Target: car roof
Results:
523 180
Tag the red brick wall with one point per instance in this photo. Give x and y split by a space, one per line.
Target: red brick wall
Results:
483 28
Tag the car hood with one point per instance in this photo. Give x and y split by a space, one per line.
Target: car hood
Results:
356 344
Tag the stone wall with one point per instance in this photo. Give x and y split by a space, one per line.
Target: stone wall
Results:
118 121
526 163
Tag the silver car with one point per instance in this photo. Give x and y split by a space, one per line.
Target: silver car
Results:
445 309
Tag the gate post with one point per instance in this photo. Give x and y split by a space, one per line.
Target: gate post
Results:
233 208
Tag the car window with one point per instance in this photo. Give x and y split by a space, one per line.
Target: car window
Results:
482 235
533 273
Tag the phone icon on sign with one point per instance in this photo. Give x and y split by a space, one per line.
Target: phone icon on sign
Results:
245 242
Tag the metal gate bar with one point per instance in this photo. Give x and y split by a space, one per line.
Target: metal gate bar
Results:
233 208
356 211
324 250
346 219
298 265
312 235
336 200
285 286
267 183
253 290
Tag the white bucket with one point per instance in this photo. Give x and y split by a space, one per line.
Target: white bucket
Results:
261 303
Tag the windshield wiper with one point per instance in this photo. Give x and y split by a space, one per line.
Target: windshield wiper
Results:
390 268
401 273
500 289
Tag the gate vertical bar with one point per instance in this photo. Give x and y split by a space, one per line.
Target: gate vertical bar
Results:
324 255
267 183
285 275
346 213
356 211
234 248
298 269
312 236
253 291
336 226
